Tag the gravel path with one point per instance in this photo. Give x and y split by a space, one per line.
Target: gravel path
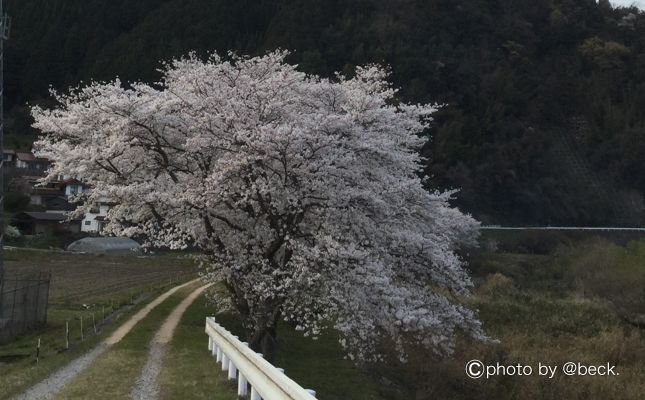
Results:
47 388
146 387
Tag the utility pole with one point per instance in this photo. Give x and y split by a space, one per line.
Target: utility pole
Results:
5 24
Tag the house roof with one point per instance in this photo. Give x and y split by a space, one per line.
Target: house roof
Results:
25 156
47 191
29 179
8 151
71 181
42 216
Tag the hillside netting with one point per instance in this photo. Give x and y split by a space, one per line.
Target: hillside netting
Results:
23 304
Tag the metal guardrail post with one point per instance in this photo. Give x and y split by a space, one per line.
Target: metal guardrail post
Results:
242 385
232 371
224 362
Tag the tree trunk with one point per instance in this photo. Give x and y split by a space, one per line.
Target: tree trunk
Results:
264 340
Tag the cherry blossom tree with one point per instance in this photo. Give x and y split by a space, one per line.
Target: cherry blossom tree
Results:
303 194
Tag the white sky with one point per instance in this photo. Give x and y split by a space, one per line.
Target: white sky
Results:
639 3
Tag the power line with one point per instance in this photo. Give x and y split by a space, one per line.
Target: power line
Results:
560 228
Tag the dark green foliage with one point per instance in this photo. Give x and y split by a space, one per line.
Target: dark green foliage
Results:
16 202
544 99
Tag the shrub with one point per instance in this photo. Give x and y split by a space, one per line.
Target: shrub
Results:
11 232
16 202
496 283
613 273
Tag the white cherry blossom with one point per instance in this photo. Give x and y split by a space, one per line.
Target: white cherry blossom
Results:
302 193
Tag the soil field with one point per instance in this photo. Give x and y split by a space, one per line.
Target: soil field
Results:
90 278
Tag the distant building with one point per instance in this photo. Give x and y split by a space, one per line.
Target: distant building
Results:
34 223
54 197
50 198
95 219
72 187
41 196
27 161
22 163
9 157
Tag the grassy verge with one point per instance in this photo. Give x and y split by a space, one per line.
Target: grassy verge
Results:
189 371
564 306
321 365
114 373
315 364
89 288
23 371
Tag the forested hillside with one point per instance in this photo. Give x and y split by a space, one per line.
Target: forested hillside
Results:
544 100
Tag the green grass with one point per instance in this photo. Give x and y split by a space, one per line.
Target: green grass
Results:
82 285
529 302
315 364
189 371
534 305
113 374
321 365
15 377
552 308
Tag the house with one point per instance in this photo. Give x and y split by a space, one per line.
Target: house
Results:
9 157
55 197
72 187
51 198
34 223
28 161
94 220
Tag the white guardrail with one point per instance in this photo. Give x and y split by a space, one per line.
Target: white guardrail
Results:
250 369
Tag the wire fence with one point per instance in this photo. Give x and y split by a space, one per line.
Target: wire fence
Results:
23 305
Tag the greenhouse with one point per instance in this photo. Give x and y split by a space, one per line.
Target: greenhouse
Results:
112 245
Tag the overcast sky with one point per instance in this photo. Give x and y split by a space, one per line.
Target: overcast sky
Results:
638 3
